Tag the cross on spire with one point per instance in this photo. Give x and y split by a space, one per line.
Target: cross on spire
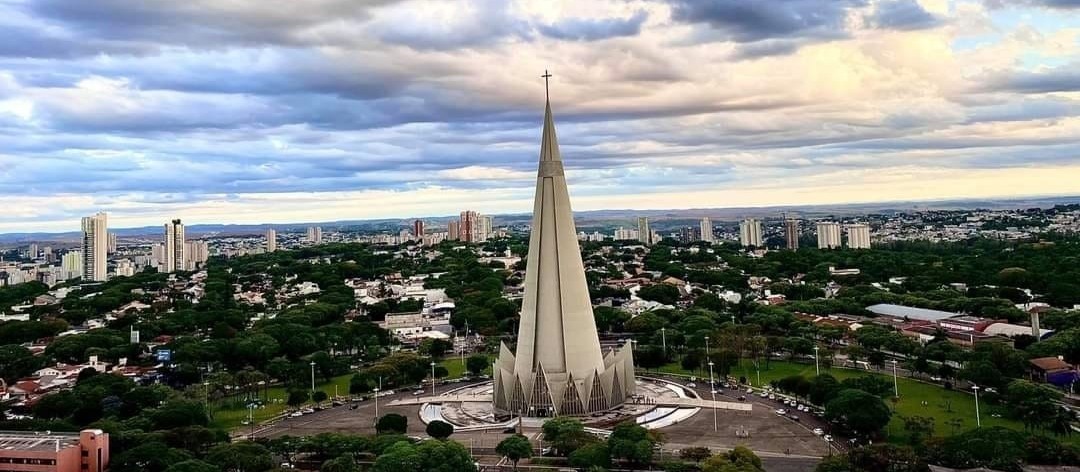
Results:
546 76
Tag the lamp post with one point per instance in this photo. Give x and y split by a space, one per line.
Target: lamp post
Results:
817 367
312 377
895 387
663 339
433 378
206 398
712 388
732 319
706 347
376 404
978 420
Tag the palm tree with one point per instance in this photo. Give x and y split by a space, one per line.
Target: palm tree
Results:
1061 421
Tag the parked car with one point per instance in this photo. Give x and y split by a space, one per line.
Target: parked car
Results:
781 412
793 417
819 431
828 438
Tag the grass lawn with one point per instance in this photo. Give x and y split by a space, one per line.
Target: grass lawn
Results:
457 369
230 413
941 404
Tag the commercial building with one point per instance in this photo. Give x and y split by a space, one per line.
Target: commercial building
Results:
858 236
173 257
558 367
643 231
314 235
271 240
86 451
791 233
95 245
750 233
706 230
828 235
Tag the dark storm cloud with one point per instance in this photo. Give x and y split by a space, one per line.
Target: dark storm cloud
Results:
748 21
577 29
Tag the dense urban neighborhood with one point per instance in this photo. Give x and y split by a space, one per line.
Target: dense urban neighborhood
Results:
946 338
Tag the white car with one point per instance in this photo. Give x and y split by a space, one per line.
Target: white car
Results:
772 397
819 431
781 412
828 438
749 391
295 414
692 384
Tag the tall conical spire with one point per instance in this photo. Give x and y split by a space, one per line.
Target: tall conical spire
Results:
557 339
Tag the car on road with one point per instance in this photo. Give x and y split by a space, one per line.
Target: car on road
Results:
819 431
742 398
781 412
828 438
295 414
772 396
307 411
793 417
691 385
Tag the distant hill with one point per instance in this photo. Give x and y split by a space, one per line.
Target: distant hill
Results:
625 217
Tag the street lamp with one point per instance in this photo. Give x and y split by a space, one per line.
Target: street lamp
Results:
706 346
978 420
817 368
663 339
732 319
376 403
895 387
433 378
713 389
312 377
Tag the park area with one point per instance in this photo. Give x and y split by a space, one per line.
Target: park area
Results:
953 412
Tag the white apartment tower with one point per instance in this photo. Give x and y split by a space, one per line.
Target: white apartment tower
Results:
750 233
72 265
196 252
828 235
271 240
95 246
858 236
707 230
643 231
174 257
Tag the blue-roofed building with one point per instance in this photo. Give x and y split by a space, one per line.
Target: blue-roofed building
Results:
910 313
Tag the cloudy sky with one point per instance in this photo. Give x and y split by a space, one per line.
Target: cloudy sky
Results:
288 111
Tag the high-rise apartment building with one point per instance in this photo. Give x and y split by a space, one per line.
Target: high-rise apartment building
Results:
623 234
112 243
418 230
688 234
125 268
271 240
32 251
643 231
453 230
95 245
750 234
468 226
858 236
196 252
71 265
706 230
791 233
174 258
314 235
484 232
828 235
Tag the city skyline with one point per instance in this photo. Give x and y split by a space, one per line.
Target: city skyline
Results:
254 115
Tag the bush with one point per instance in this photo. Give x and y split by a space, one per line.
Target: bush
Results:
392 423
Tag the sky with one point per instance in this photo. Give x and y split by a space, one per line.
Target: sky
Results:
275 111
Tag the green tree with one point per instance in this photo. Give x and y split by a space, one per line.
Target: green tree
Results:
439 429
592 455
192 465
566 434
476 364
514 449
864 413
392 423
632 443
739 459
297 397
919 428
243 456
695 454
148 457
340 464
1033 404
319 396
399 457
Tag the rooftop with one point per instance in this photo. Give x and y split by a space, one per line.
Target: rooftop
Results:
911 313
30 441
